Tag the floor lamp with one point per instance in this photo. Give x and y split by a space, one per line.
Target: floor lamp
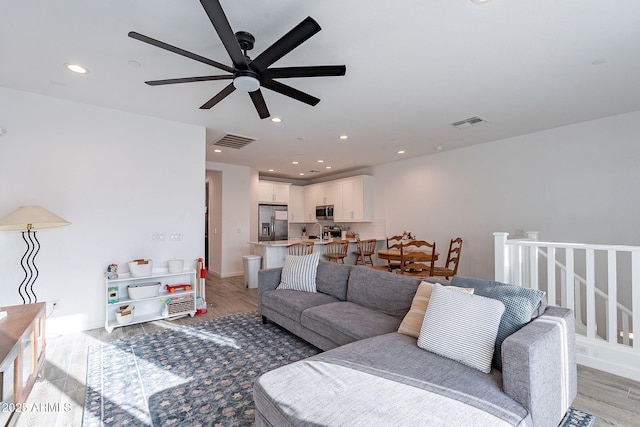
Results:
27 219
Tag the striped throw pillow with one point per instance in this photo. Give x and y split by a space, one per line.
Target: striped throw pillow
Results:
462 327
412 322
299 272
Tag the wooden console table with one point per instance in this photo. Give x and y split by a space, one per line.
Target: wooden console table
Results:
22 354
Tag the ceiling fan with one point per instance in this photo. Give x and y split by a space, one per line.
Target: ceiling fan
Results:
248 74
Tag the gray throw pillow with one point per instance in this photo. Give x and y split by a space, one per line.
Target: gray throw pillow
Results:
521 305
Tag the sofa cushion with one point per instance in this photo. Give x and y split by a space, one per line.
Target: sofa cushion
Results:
344 322
292 303
521 305
299 272
363 387
412 322
381 291
461 327
332 278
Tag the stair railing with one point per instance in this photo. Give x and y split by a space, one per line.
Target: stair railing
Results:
517 262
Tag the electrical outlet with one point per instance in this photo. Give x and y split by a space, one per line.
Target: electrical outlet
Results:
157 237
175 236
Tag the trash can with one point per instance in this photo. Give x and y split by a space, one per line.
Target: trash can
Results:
251 267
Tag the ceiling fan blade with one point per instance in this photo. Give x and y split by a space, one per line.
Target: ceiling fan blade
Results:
219 97
187 80
311 71
170 48
222 27
290 92
258 102
294 38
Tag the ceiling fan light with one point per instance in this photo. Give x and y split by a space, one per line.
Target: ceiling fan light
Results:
246 83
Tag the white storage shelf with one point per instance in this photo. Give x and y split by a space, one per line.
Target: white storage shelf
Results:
149 309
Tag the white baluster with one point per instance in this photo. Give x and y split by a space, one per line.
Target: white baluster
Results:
501 262
551 275
590 300
635 297
612 297
570 280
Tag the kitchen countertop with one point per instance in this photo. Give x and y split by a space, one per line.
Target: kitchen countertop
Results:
296 240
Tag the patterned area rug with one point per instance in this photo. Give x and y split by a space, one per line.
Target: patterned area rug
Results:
201 374
196 375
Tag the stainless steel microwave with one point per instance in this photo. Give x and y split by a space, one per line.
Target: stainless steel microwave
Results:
324 212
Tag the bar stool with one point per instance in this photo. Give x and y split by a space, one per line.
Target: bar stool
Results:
364 252
337 250
300 248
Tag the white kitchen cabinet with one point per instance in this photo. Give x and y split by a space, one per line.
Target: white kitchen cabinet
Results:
273 192
357 199
151 308
296 204
310 202
329 193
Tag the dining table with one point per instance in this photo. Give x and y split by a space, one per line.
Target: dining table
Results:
394 255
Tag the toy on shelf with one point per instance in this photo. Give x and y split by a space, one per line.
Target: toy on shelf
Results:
173 288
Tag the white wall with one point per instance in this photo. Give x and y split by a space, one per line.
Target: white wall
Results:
235 203
574 184
117 177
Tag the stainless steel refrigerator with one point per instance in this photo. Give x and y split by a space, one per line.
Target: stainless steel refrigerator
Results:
273 223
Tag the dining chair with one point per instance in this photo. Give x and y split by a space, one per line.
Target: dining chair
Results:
450 267
300 248
364 251
417 258
394 242
337 250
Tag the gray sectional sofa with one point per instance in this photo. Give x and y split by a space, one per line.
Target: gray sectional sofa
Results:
371 375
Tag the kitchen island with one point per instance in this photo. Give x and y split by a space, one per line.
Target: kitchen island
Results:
274 252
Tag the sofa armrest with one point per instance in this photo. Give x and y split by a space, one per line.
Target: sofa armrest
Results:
539 366
268 280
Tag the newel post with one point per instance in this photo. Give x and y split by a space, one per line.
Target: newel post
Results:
501 256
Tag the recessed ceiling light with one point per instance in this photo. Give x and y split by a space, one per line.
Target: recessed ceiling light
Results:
327 167
276 119
76 68
294 162
271 170
400 151
301 174
217 150
343 137
320 161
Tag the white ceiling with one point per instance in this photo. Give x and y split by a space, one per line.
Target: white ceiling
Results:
413 68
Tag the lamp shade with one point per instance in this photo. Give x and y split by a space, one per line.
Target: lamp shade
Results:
28 217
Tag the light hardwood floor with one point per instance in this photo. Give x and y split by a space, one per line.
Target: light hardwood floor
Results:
613 400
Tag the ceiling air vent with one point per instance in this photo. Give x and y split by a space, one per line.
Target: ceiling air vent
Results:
230 140
467 123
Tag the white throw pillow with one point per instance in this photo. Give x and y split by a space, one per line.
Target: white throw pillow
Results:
299 272
462 327
412 322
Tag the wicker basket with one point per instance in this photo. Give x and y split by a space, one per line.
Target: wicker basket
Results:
181 305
